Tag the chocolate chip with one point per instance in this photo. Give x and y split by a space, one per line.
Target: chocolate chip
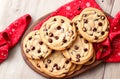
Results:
96 19
76 28
62 21
40 42
66 61
95 29
33 48
102 17
53 51
26 45
55 65
64 40
71 32
48 61
71 23
78 56
68 48
35 33
100 24
91 34
46 66
50 40
41 57
84 29
46 33
50 34
38 65
84 15
80 36
57 68
86 41
54 19
56 37
99 15
63 66
76 47
39 51
58 27
30 38
73 37
78 8
96 38
85 20
70 59
107 29
75 23
27 50
85 49
102 33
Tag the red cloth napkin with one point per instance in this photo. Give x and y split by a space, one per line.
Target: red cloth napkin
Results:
115 40
12 34
70 10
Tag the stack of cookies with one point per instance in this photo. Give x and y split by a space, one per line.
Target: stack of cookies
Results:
63 46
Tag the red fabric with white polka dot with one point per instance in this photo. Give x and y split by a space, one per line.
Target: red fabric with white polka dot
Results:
11 35
115 40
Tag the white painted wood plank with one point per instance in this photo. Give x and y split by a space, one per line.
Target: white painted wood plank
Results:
112 70
106 5
95 73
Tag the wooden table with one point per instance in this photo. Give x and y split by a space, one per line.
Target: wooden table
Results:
15 67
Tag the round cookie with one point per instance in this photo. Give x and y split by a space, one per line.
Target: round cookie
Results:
34 47
58 32
92 24
56 65
91 61
35 63
80 52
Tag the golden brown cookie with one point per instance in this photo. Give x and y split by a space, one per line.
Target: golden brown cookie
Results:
35 63
80 52
91 61
34 47
56 65
58 32
92 24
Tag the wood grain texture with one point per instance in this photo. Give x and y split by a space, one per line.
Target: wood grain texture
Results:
15 67
112 70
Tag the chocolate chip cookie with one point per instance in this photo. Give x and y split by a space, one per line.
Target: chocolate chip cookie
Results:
34 47
80 52
92 24
58 32
56 65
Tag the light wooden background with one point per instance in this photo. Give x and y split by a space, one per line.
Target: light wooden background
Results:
16 68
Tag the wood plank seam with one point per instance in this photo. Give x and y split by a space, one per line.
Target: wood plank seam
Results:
113 2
